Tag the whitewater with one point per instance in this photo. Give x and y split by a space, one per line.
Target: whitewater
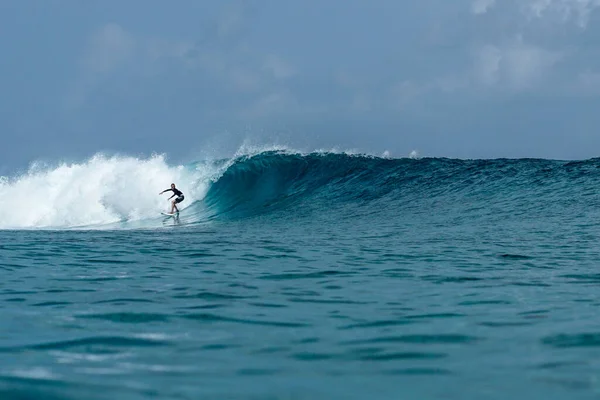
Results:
99 191
305 275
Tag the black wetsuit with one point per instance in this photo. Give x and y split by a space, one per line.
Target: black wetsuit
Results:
177 193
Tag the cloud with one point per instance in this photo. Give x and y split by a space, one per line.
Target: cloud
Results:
563 10
220 61
482 6
111 50
241 69
258 80
518 64
226 58
487 65
547 10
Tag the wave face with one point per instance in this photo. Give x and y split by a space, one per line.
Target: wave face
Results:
329 185
123 192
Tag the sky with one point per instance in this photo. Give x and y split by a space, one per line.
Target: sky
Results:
195 78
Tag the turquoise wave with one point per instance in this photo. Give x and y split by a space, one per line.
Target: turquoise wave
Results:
310 184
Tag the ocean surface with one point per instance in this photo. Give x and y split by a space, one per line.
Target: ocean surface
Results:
301 276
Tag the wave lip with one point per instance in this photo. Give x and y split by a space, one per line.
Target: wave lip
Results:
278 180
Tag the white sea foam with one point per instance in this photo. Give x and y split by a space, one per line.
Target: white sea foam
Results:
101 190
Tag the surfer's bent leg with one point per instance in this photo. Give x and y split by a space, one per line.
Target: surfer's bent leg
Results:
177 200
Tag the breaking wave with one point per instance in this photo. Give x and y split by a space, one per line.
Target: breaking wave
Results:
113 192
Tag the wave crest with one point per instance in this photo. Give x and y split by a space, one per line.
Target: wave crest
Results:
124 190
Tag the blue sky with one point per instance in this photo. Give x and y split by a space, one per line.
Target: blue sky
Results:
460 78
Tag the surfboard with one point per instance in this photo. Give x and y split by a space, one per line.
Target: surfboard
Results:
169 214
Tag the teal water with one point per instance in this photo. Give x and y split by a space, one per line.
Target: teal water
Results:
319 277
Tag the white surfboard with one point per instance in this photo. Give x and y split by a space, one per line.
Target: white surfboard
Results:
169 214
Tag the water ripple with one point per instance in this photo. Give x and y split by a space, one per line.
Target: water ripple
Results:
204 317
127 317
420 339
576 340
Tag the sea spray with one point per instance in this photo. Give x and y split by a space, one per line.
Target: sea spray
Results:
101 190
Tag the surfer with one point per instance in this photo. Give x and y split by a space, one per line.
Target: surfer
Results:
177 193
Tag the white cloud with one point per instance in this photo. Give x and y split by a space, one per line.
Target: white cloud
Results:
227 60
487 65
110 49
518 64
527 64
564 10
561 11
482 6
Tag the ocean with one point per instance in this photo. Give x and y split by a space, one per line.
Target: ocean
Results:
289 275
